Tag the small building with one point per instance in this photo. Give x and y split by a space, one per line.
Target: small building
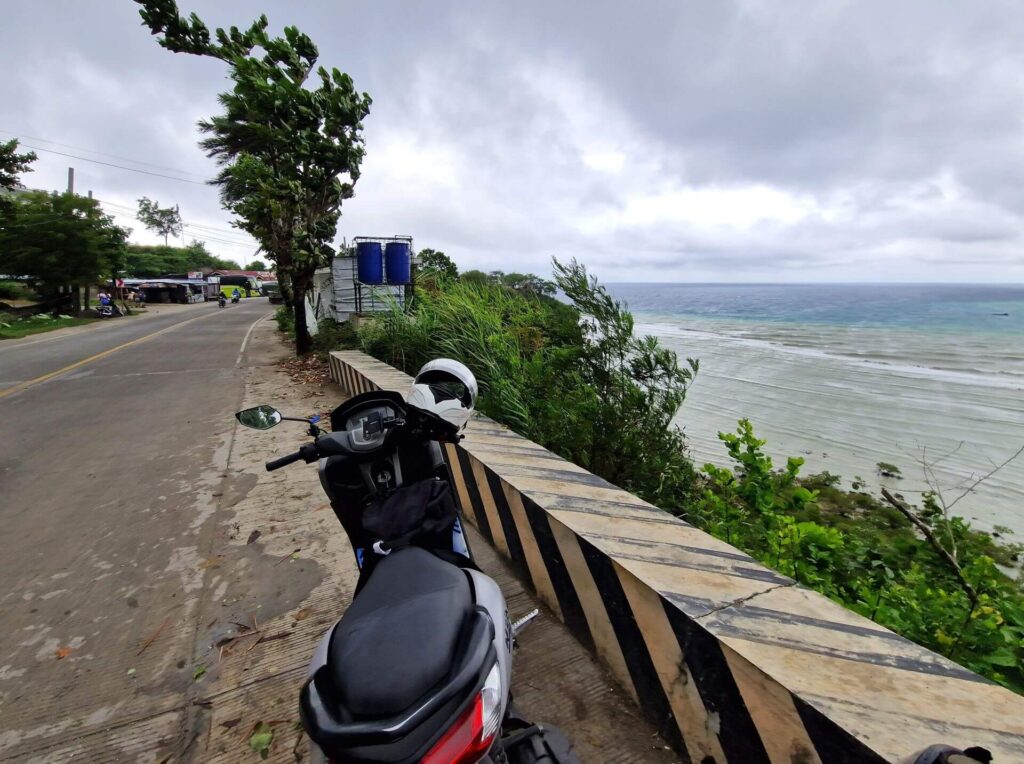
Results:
170 289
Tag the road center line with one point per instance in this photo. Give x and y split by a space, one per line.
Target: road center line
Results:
70 367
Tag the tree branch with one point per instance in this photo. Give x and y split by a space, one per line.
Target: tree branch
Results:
930 537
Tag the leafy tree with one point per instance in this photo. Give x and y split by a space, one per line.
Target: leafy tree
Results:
60 239
438 262
148 260
475 277
11 165
162 220
290 150
256 265
528 282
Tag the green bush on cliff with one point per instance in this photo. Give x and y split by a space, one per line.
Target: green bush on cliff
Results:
870 559
571 377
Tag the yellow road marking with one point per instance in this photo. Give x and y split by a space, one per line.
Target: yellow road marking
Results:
39 380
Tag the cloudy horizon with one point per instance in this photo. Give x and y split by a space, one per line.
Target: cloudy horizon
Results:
716 142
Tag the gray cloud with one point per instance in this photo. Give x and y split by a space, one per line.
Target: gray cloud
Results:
746 140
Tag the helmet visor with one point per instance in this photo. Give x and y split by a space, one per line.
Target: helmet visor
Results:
446 387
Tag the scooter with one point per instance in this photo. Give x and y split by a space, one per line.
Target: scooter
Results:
235 298
419 667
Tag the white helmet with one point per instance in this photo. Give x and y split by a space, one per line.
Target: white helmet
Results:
447 389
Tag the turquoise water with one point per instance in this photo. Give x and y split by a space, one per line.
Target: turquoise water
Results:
850 375
922 306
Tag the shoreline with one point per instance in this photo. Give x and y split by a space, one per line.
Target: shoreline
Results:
844 414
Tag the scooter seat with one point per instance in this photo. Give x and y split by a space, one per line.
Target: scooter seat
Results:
399 637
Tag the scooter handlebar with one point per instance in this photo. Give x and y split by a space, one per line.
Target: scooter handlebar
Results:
308 453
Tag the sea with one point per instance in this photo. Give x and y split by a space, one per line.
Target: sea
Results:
850 375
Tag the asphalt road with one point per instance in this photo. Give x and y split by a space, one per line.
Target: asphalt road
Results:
112 442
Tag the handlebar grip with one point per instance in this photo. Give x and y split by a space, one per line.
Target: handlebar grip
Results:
284 461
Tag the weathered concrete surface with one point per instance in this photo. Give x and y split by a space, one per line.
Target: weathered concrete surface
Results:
139 529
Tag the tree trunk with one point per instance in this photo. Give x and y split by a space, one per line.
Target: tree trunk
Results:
88 295
284 283
76 294
303 342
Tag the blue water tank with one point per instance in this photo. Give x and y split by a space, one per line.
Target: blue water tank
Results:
369 262
397 262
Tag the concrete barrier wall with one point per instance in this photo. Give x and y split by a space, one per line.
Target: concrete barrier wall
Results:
734 661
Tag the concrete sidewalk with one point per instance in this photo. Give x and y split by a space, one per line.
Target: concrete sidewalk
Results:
281 562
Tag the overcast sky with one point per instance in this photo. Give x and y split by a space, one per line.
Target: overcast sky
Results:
655 141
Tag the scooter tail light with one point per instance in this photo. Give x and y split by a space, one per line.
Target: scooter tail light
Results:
471 736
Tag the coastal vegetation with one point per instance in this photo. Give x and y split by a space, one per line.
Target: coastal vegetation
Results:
573 376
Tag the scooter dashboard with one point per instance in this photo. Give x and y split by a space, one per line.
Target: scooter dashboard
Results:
366 427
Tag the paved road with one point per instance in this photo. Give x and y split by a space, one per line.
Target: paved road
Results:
106 476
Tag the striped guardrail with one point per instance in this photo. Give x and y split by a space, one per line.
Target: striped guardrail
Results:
735 662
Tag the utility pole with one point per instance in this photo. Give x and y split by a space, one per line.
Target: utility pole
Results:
76 294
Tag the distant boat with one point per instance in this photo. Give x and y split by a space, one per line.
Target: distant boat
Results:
1000 314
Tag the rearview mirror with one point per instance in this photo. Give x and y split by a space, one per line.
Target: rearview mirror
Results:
260 418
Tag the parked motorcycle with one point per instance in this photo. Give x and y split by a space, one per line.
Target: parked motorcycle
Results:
419 667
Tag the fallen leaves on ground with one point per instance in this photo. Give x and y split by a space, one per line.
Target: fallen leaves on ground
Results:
302 614
253 536
308 370
63 652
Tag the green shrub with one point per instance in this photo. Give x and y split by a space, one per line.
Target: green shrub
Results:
15 290
865 555
331 335
285 321
571 377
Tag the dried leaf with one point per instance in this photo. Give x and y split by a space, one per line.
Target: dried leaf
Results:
64 652
253 536
231 723
302 614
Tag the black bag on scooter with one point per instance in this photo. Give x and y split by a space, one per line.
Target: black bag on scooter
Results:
421 514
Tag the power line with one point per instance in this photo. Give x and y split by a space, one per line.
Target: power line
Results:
118 166
122 209
132 211
102 154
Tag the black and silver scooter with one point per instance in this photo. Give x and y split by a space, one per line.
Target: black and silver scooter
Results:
419 667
